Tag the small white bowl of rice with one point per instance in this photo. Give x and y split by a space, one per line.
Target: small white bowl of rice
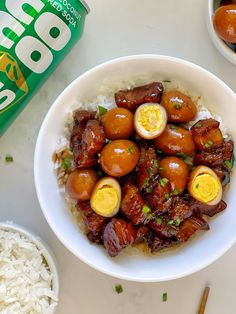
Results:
29 278
97 87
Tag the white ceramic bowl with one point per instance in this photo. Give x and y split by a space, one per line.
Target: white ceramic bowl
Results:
223 48
201 251
46 252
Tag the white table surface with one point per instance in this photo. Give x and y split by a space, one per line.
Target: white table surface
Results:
116 28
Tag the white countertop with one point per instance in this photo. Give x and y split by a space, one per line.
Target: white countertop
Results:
116 28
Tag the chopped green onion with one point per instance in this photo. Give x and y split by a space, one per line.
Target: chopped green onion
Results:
166 81
146 209
164 297
181 155
66 164
167 196
108 141
160 169
145 183
102 110
149 216
177 222
160 151
228 164
159 220
119 289
176 105
176 192
131 149
155 163
173 127
197 125
164 181
150 170
9 159
208 144
170 222
149 190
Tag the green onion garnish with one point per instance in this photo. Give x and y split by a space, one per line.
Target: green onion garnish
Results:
149 216
9 159
163 181
181 155
150 170
119 289
159 220
164 297
177 222
208 144
170 222
131 149
172 127
197 125
167 196
108 141
146 209
66 164
102 110
176 192
228 164
160 169
155 163
176 105
145 183
166 81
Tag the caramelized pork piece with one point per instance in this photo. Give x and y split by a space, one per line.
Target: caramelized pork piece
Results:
93 221
160 198
207 134
164 226
142 234
190 226
220 156
223 174
95 237
147 166
133 98
158 243
209 210
132 204
81 157
117 235
93 137
180 210
82 116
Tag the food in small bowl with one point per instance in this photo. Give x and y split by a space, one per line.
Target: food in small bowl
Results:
221 22
145 172
29 279
94 90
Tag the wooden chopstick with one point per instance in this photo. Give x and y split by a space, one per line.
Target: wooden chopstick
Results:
204 301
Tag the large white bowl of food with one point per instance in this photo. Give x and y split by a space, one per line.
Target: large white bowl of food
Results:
132 162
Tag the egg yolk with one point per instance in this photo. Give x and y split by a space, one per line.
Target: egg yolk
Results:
151 118
205 187
105 200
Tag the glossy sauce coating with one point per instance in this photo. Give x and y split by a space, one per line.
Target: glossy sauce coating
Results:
224 22
119 157
180 107
118 123
175 140
176 171
80 184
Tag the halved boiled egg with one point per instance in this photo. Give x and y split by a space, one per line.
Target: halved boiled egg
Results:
150 120
106 197
205 186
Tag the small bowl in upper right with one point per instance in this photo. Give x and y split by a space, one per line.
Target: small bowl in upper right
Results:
223 47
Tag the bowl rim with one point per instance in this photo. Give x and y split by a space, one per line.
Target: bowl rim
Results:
39 142
221 46
47 253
